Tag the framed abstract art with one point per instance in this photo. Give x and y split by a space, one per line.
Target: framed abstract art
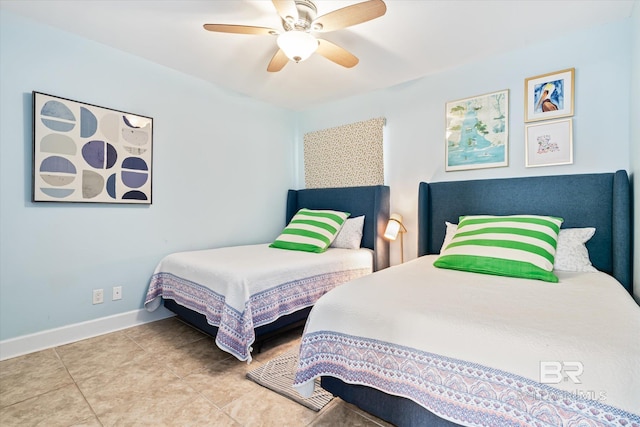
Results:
91 154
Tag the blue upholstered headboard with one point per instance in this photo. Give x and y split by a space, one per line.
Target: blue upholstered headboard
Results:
602 201
370 201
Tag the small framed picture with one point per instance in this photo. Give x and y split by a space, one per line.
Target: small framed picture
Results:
477 132
549 96
549 143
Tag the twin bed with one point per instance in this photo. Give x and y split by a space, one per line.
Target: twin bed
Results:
419 345
244 295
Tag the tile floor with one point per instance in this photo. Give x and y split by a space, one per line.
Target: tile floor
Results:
160 373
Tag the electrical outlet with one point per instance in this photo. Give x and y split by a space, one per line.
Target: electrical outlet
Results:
117 293
98 296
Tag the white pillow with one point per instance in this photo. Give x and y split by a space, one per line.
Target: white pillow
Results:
572 254
451 231
350 235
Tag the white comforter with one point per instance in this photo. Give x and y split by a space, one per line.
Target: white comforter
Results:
242 287
469 346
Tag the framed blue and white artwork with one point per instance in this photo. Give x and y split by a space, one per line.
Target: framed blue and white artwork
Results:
477 132
91 154
549 96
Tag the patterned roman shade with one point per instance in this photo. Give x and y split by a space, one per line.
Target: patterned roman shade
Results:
345 156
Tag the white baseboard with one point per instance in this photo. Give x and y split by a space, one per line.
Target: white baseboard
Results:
67 334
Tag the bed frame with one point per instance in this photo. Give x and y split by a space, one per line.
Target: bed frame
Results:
370 201
588 200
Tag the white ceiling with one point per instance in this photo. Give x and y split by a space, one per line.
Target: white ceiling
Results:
414 38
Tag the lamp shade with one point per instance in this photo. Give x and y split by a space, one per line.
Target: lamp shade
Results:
394 227
297 45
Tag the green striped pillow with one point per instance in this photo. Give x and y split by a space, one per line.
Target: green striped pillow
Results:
311 230
516 245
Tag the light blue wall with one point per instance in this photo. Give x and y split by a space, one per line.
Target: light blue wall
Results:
415 113
634 151
222 164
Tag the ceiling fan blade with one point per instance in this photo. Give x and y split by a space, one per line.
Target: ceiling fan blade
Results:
240 29
286 8
278 61
350 15
336 54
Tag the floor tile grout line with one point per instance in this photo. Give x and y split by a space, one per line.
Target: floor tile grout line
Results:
35 396
75 383
133 340
48 391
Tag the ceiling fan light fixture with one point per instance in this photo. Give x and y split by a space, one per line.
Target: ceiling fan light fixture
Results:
297 45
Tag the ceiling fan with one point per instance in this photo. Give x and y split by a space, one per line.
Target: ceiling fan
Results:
296 41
